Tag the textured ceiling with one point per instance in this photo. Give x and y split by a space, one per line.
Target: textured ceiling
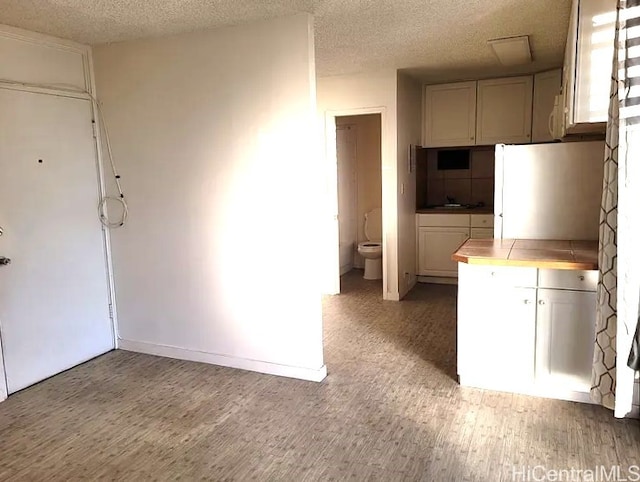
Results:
433 39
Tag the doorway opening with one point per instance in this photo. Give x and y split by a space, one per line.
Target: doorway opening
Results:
359 195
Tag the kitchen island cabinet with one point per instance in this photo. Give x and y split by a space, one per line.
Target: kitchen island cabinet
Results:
526 316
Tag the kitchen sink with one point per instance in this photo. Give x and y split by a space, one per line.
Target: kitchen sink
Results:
454 206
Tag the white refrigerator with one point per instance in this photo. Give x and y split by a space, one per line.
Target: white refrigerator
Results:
548 191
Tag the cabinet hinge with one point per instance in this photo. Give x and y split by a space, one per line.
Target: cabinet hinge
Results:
111 311
94 127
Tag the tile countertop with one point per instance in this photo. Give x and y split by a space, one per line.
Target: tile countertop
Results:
534 253
482 210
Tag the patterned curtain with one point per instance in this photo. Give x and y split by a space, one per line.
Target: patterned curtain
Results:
603 376
618 296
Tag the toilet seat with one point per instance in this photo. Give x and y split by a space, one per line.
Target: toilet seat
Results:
369 246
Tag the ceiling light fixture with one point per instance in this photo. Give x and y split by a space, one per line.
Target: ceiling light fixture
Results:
512 50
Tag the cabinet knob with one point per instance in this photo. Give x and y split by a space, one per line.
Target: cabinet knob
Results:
471 137
581 278
526 302
541 302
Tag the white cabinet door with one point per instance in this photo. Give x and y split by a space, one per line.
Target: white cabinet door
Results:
504 111
565 336
450 114
596 30
546 85
569 67
435 247
496 335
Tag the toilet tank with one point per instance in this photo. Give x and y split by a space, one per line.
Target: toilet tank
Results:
373 224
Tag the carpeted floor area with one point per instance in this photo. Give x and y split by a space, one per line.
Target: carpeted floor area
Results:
390 409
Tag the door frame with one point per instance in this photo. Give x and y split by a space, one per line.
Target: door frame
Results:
332 273
82 92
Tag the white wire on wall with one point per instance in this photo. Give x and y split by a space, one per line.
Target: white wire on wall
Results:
102 205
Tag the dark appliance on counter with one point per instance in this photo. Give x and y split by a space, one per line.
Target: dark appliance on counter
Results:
450 159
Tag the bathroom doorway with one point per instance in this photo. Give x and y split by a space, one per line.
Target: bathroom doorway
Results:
359 193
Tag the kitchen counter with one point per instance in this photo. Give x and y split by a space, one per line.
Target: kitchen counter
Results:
443 210
551 254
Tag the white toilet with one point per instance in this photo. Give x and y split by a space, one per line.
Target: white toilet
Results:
371 250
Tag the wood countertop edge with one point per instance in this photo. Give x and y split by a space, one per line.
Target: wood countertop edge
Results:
549 264
545 264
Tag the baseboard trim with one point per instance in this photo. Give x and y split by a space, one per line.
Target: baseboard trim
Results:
525 389
413 281
440 280
346 268
301 373
391 296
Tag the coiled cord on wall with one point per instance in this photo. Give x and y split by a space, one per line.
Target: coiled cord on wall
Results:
102 205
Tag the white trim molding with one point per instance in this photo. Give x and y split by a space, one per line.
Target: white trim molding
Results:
3 377
439 280
301 373
389 206
535 390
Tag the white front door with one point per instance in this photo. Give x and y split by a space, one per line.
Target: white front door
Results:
54 300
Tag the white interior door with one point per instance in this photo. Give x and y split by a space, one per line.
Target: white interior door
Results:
54 308
565 327
347 195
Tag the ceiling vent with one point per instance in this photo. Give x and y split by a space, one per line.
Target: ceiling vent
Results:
512 50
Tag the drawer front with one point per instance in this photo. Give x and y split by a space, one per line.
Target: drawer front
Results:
486 276
568 279
443 220
481 233
482 220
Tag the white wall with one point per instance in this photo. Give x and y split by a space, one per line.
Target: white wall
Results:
628 290
208 129
409 132
359 94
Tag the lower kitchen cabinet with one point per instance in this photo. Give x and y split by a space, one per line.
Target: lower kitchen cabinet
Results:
565 332
496 336
435 247
516 336
440 235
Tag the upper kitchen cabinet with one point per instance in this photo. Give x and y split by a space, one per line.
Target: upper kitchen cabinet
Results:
587 66
450 114
546 85
504 110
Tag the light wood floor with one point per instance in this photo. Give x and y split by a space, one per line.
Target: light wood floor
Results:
389 410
